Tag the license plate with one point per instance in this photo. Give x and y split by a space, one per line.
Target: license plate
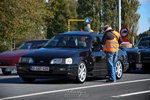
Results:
139 66
39 68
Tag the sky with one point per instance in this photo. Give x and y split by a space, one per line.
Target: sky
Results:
144 11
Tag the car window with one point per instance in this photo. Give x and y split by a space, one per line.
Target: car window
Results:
144 42
96 43
31 45
69 41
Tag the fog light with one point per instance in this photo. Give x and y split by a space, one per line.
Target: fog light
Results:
62 69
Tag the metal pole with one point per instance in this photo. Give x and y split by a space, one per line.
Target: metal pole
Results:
132 40
119 15
68 25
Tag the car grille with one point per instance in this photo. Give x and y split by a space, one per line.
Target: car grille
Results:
42 60
131 56
138 58
145 57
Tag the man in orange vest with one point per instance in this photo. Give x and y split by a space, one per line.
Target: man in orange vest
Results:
111 41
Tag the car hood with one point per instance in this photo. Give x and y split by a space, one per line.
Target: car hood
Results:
56 52
12 54
131 49
138 49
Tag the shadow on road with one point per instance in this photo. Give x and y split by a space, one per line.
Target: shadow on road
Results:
11 80
15 79
139 71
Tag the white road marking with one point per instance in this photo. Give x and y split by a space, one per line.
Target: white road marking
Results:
130 94
62 90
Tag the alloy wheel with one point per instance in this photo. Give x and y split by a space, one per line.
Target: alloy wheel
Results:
119 70
82 72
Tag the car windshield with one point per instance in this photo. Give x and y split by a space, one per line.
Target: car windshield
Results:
144 42
69 41
31 45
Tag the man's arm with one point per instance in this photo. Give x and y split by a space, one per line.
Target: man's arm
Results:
120 40
104 39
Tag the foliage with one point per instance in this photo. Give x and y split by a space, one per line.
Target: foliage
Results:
21 20
130 16
110 13
91 9
63 10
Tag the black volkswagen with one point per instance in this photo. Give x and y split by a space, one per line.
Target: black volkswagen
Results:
76 55
139 55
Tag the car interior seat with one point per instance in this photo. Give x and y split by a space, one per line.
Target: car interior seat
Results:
70 43
82 44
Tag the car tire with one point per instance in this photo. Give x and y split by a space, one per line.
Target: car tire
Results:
81 72
5 72
119 69
28 80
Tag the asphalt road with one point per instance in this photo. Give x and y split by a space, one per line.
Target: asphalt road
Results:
132 86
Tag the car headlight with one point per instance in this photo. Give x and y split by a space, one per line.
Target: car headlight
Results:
61 61
68 61
26 60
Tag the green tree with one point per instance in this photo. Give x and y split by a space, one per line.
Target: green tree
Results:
23 19
63 10
110 13
130 17
91 9
36 19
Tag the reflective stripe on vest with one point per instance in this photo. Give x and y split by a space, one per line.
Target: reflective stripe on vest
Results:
112 45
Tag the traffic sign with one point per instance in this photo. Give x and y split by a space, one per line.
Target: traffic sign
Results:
87 19
124 32
125 40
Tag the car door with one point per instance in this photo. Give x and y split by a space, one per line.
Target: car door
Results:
98 57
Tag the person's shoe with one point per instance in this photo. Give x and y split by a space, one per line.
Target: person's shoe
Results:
110 81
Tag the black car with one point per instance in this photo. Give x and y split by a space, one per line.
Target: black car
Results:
139 56
74 55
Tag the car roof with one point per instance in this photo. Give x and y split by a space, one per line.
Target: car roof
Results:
81 33
77 33
146 37
42 40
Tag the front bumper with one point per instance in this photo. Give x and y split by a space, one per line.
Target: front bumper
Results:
54 71
7 66
138 58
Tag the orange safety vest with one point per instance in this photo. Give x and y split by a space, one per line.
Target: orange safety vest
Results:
112 45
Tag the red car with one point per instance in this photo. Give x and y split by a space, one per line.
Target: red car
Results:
9 59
